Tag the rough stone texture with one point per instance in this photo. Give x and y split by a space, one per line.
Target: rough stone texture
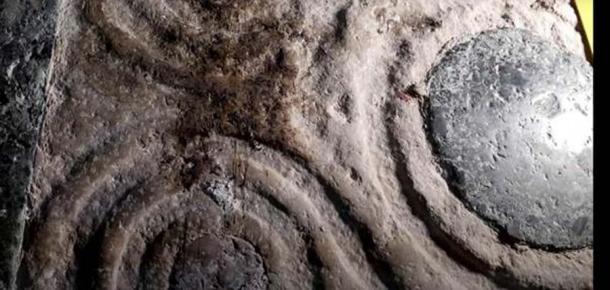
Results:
278 132
26 38
512 120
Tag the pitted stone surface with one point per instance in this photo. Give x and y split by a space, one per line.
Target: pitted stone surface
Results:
511 119
219 263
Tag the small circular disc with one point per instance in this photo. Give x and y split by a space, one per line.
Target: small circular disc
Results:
510 118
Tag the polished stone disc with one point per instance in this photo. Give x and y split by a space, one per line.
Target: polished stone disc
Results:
511 121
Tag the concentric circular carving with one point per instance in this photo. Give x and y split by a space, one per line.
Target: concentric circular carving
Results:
229 220
511 118
161 167
195 43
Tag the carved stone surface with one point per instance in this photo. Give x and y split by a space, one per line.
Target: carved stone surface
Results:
512 117
265 144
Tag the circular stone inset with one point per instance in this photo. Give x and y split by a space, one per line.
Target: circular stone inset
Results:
511 119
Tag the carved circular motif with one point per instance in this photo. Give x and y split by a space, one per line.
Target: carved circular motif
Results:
511 120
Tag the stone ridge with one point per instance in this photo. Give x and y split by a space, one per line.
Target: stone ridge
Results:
26 40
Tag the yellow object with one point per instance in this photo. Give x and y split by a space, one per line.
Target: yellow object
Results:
585 11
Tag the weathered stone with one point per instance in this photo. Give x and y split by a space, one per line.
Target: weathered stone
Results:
264 144
26 39
210 262
511 118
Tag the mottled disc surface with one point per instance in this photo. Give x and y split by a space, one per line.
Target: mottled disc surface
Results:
511 120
